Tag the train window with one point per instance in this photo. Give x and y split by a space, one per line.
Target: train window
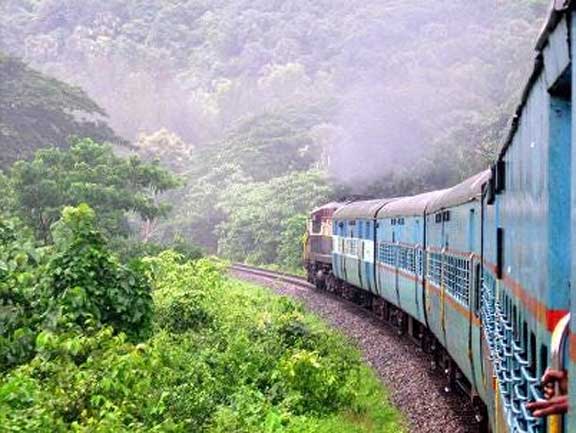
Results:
393 221
456 277
316 224
532 353
525 338
446 215
491 188
477 287
401 221
367 234
438 217
499 252
514 322
543 359
500 179
352 223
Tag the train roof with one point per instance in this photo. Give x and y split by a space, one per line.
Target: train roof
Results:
328 206
409 206
469 190
557 10
365 209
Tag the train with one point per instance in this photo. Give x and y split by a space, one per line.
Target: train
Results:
480 274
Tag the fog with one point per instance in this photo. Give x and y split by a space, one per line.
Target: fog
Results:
398 77
268 108
427 74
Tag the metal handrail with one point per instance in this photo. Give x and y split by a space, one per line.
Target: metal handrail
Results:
557 346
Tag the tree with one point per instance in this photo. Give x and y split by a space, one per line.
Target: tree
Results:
18 260
291 245
85 284
37 111
259 213
272 144
88 173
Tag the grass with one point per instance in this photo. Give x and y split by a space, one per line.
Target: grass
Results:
369 410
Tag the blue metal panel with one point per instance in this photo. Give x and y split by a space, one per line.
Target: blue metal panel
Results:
451 264
353 256
533 212
559 190
571 419
556 53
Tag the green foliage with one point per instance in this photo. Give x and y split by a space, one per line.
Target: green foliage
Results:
272 145
87 173
292 242
129 249
260 213
181 290
37 111
6 194
75 286
224 356
87 285
18 261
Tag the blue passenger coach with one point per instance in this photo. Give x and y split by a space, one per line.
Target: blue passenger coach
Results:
400 260
483 274
353 254
453 249
527 251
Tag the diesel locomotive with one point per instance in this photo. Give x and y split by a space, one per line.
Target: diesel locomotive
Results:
481 274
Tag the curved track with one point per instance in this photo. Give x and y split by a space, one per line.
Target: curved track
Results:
404 368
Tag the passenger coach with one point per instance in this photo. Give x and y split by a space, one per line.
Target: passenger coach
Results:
482 274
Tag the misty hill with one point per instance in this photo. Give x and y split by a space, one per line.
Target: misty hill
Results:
399 74
38 111
255 100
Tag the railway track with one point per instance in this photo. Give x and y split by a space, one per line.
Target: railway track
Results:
416 389
274 275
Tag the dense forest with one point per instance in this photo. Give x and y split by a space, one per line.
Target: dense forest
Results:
38 111
266 108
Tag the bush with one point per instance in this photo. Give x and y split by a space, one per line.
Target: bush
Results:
222 356
87 285
75 286
183 290
18 261
130 249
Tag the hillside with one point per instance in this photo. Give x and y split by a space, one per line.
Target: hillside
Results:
38 111
380 97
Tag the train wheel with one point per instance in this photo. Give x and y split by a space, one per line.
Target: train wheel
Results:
400 322
310 274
